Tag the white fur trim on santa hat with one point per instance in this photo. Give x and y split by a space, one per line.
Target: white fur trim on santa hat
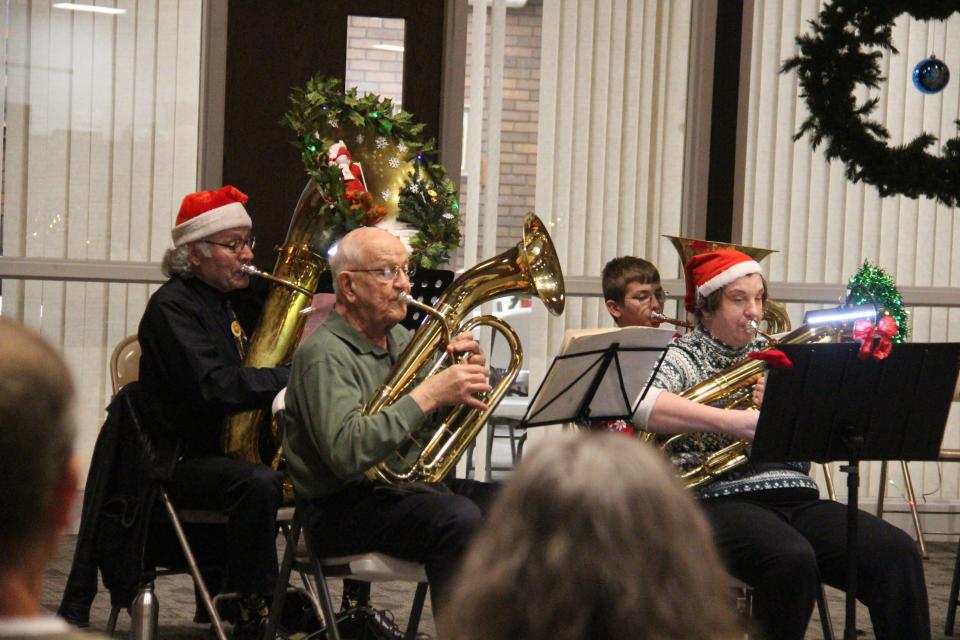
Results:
724 278
229 216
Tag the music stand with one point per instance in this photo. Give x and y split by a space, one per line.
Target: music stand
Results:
586 380
426 285
833 406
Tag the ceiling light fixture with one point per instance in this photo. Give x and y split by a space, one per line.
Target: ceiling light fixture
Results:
92 8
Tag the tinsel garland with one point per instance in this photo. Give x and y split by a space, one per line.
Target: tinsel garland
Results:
873 285
844 51
317 110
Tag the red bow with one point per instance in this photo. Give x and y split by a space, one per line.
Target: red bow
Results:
866 330
774 358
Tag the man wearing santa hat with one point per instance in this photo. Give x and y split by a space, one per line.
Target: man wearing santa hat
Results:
773 530
192 336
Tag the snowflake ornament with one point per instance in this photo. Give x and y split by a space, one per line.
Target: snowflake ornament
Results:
333 122
394 162
360 139
402 148
381 143
386 194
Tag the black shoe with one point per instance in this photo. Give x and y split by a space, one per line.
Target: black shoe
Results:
367 623
254 631
77 615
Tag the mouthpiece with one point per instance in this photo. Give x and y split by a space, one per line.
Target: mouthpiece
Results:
754 327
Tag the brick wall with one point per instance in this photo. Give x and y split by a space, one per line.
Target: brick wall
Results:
380 71
521 96
375 70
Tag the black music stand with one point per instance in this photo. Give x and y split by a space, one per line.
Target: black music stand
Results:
599 376
426 285
833 406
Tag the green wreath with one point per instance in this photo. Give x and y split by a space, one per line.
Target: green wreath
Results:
841 53
393 148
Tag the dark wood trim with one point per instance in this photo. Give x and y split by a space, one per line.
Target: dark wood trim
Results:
723 122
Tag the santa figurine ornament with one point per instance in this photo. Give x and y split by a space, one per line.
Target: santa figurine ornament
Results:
338 154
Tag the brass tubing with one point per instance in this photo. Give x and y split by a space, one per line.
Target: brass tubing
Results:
659 317
251 270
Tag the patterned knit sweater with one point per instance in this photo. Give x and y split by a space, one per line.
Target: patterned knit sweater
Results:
689 360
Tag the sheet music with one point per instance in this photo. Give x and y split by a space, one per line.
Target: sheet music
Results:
579 362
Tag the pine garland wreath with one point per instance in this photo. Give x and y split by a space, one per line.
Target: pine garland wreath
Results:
320 114
843 51
873 285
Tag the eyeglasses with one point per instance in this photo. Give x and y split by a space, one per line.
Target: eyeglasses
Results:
644 297
237 245
389 274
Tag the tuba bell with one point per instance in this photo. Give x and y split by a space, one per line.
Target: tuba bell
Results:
529 268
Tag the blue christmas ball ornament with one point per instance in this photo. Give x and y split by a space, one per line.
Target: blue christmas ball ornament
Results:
931 75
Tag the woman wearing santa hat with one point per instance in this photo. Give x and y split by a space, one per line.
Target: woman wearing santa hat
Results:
773 530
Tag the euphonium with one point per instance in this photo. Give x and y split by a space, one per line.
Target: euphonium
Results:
531 267
732 387
301 261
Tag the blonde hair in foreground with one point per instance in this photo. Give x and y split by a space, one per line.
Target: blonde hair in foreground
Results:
593 537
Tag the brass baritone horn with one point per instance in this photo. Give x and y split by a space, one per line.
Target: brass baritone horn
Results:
530 268
730 389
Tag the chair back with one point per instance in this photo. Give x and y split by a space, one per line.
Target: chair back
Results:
125 363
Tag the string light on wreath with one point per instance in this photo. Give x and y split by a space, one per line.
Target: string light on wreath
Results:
931 75
841 53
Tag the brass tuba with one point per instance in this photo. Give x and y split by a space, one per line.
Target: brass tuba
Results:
300 263
531 267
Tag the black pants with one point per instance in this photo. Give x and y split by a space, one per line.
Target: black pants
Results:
784 544
250 494
432 528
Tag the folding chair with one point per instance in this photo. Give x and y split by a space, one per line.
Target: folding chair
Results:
125 368
745 607
368 567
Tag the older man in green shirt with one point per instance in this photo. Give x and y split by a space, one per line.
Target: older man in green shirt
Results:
329 443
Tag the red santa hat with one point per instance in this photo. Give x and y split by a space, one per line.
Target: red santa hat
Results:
336 150
708 272
206 212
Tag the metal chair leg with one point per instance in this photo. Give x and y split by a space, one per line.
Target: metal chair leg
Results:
415 611
911 501
911 498
954 593
112 620
280 590
828 477
329 617
194 568
825 622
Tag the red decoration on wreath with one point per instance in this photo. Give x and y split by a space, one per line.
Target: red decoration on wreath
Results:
884 330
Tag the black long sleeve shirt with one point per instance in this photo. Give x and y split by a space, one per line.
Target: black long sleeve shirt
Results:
190 365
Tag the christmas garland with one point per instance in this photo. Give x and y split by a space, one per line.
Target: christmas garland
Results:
322 112
842 52
873 285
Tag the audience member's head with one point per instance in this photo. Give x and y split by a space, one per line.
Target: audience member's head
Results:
593 537
36 455
632 291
